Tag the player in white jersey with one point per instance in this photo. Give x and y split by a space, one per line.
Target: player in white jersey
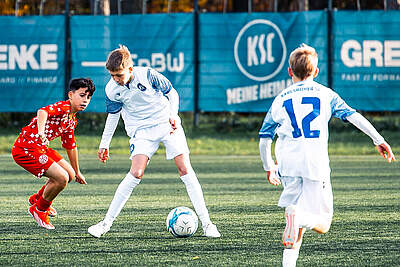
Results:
149 106
299 115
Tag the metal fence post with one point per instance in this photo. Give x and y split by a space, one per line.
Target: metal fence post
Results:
249 6
330 42
41 7
17 7
196 63
144 7
67 55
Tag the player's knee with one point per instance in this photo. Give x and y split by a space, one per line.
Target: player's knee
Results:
326 228
183 170
323 228
137 173
63 179
71 175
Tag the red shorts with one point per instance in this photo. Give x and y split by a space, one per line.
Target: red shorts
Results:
36 160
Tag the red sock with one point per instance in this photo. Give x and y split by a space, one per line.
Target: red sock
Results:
40 192
42 204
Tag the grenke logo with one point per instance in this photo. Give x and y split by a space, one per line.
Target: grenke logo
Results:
35 56
260 50
369 53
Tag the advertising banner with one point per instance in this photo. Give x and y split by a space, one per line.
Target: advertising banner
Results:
366 70
31 62
244 57
161 41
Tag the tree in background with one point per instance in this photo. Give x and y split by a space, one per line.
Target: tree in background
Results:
107 7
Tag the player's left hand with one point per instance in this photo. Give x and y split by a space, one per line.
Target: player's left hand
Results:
386 152
172 121
44 139
79 178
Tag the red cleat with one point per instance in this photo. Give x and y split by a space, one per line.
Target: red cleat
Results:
41 217
34 198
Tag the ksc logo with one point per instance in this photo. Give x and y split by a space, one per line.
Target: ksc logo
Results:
260 50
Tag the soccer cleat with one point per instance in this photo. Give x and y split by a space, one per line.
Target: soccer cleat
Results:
41 217
99 229
52 211
210 230
34 198
290 234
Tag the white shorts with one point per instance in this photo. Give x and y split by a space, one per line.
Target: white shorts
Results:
146 141
310 196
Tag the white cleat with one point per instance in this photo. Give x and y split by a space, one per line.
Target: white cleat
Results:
99 229
210 230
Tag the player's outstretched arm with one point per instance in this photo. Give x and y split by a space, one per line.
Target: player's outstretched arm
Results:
73 159
366 127
386 152
41 123
268 162
174 119
108 132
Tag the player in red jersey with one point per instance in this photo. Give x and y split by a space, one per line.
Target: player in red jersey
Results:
31 150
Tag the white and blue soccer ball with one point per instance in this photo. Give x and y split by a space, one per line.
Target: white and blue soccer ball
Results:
182 222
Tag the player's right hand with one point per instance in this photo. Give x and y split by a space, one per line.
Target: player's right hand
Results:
386 152
103 154
172 121
79 178
272 178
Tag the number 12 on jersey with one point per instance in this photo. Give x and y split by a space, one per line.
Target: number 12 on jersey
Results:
305 123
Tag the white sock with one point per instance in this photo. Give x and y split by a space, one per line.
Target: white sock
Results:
195 193
122 194
290 257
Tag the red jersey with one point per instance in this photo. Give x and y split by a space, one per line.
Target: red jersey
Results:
60 122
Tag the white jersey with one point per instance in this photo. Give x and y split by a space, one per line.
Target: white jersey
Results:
143 102
299 115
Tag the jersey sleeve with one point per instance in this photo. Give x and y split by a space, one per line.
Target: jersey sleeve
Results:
55 109
68 139
269 126
339 108
158 81
113 106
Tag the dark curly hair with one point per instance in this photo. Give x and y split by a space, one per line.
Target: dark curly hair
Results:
75 84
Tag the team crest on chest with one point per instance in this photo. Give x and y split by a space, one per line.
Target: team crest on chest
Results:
141 87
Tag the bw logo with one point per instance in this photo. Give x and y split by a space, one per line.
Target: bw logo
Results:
260 50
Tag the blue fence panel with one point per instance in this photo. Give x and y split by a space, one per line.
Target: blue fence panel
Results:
31 62
163 41
366 70
244 57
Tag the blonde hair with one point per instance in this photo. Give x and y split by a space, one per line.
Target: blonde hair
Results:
303 61
119 59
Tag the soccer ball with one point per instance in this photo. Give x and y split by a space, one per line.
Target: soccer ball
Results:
182 222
